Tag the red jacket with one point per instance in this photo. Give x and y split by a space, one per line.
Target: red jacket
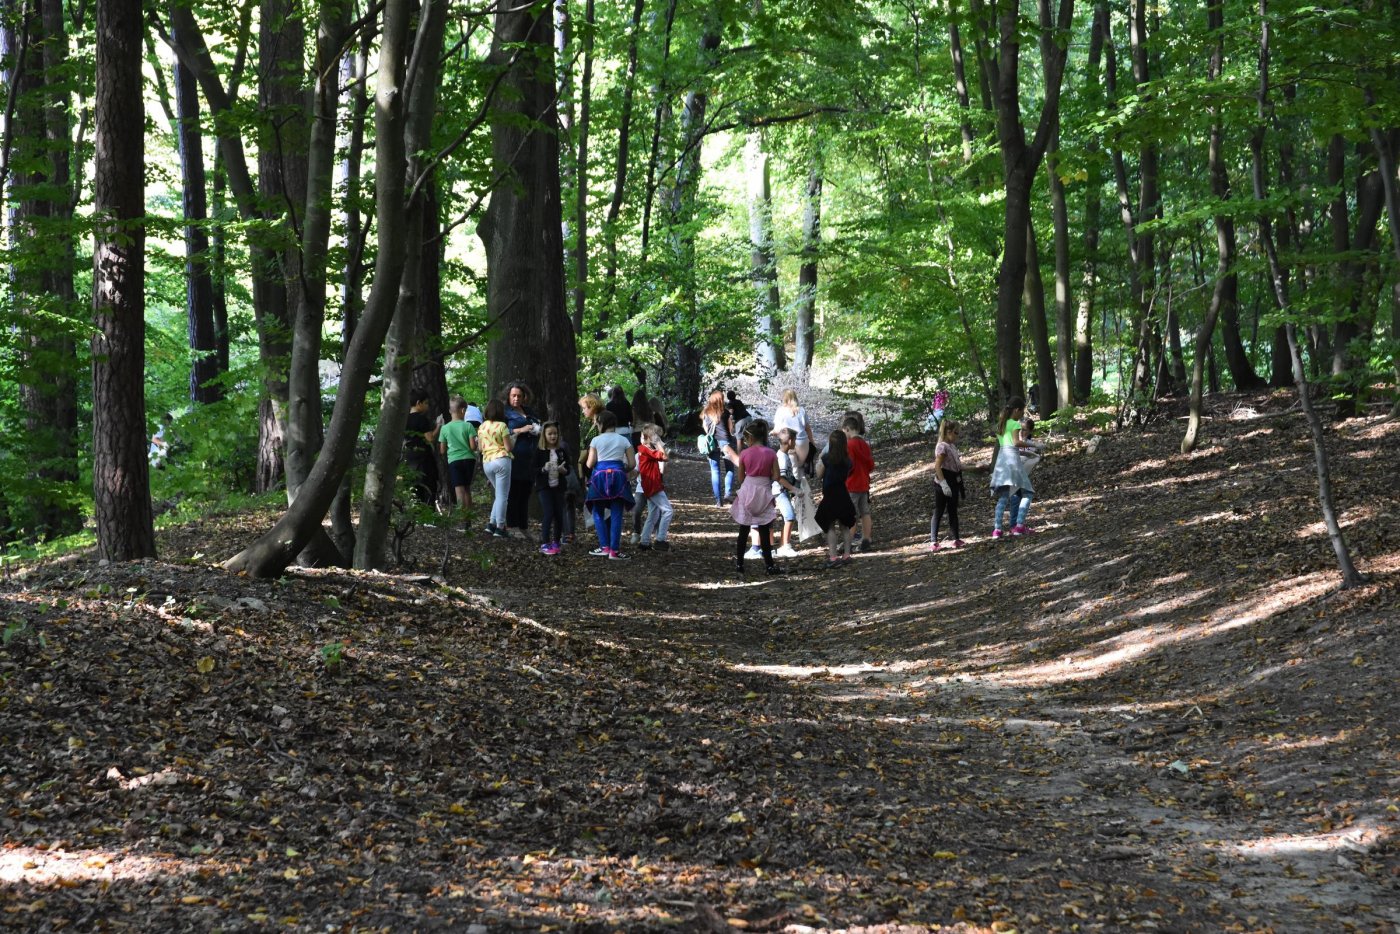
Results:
649 461
862 462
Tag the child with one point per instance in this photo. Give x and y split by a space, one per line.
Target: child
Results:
457 440
947 473
858 481
1009 480
610 460
836 506
785 488
553 461
651 464
753 504
496 443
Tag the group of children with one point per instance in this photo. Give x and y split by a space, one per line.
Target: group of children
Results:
617 473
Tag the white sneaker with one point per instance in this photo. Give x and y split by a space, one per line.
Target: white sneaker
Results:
636 538
786 551
754 552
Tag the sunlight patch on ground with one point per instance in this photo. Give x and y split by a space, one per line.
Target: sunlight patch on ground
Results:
1361 837
1111 654
853 670
31 866
1349 519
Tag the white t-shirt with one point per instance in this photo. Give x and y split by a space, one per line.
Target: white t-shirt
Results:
611 446
783 417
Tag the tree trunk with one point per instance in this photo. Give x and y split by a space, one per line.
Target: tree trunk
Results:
581 128
1064 319
1149 201
354 72
1034 300
1020 162
521 227
806 329
1279 283
199 285
218 249
121 482
624 145
1084 321
270 555
1385 159
768 337
303 418
688 354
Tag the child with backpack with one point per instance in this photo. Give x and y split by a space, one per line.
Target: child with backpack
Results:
651 465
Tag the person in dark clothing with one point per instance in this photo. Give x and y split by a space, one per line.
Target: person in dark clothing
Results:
420 434
622 411
525 429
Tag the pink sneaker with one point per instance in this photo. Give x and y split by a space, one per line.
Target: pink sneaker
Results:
934 547
958 543
1020 530
996 533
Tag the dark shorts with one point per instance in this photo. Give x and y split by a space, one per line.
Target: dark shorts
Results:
462 472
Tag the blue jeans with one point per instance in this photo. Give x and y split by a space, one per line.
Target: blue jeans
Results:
1014 503
718 467
609 529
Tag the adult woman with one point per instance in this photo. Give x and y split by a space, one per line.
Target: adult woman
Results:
714 419
494 441
524 428
610 459
793 417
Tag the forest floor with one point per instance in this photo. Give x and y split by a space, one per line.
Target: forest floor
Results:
1157 713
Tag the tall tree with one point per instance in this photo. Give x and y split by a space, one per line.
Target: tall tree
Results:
768 336
521 226
274 551
1001 27
121 493
199 282
806 327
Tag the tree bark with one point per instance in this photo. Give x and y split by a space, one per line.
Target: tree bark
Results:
768 336
199 284
121 482
804 351
681 208
1084 321
270 555
1385 160
624 145
581 129
521 228
1034 300
1064 316
1278 280
1020 162
308 299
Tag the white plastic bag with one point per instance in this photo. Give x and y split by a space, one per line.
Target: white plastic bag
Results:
806 508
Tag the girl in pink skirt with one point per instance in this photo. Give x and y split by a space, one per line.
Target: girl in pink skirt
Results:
753 503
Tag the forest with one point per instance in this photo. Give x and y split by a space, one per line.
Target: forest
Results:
242 240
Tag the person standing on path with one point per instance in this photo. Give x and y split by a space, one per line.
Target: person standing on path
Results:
793 417
836 508
785 489
553 461
622 411
420 435
495 442
651 466
858 480
1010 482
715 421
753 505
525 428
457 440
948 480
610 460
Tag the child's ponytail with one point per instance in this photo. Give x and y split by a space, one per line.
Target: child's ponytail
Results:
1012 405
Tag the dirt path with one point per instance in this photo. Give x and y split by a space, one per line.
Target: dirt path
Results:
1154 714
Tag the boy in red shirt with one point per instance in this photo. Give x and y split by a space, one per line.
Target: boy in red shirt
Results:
651 463
858 483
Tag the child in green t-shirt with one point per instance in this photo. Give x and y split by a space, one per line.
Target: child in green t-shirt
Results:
457 440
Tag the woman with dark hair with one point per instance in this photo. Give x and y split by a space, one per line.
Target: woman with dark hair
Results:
716 423
419 439
524 428
622 411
